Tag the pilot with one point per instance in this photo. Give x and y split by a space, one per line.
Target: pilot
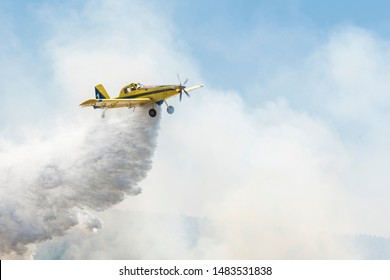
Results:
132 86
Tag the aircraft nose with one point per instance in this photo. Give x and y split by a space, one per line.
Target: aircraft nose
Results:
179 88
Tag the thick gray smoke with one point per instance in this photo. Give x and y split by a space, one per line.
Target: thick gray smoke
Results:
49 186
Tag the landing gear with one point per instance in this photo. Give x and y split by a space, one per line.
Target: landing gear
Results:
170 109
152 112
103 113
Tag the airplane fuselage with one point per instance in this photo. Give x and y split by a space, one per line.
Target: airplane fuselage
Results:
136 95
155 93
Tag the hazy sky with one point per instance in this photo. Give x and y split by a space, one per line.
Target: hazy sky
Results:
282 152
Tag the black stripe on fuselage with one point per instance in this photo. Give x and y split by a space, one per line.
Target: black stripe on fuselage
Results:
145 93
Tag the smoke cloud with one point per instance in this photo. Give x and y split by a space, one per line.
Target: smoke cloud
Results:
50 186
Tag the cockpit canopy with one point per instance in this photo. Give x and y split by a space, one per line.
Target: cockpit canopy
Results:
132 87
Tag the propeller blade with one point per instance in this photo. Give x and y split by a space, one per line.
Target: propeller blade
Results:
182 87
178 78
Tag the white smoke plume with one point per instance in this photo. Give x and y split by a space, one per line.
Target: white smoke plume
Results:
58 181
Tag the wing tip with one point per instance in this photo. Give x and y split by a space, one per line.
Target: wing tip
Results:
88 102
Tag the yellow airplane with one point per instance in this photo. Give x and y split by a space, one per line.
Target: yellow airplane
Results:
136 95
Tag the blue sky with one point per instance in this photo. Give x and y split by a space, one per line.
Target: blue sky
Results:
230 24
213 31
208 26
291 127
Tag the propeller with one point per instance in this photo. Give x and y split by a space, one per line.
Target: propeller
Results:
182 87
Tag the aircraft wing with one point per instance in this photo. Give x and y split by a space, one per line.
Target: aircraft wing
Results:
116 103
193 88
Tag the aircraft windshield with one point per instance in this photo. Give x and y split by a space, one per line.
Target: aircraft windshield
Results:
133 87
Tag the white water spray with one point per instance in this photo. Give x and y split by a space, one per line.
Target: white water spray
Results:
48 187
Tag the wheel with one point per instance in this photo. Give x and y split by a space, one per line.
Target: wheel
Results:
170 110
152 113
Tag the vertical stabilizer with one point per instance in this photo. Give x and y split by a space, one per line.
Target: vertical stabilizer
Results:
101 93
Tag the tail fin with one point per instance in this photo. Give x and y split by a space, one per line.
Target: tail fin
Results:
101 93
